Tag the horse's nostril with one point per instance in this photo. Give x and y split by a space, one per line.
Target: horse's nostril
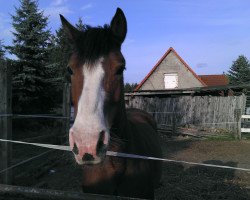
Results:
87 157
100 147
102 135
75 149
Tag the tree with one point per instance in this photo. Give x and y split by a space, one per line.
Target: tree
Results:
79 25
62 51
31 46
130 87
59 58
239 72
2 51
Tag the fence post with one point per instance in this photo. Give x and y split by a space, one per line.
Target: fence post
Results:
66 109
238 113
5 121
174 124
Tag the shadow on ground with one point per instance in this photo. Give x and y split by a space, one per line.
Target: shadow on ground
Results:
198 182
171 146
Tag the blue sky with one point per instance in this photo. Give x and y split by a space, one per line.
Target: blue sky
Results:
208 35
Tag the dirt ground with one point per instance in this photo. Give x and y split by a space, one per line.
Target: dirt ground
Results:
178 181
197 182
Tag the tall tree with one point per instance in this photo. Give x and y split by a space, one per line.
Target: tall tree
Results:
62 51
239 72
130 87
59 58
31 47
2 51
79 25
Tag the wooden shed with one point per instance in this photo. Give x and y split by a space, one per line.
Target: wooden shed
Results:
206 107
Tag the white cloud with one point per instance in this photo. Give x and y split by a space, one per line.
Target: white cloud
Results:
201 65
57 7
4 19
7 32
128 41
87 6
58 2
53 12
5 28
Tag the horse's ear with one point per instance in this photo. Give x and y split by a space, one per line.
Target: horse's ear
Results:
70 30
119 25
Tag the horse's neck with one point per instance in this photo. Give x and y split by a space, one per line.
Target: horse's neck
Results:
120 122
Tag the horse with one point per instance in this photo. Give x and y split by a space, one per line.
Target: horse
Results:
102 122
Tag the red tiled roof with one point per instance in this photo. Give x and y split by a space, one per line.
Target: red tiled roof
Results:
215 80
159 62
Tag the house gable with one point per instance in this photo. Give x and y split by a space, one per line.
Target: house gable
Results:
170 63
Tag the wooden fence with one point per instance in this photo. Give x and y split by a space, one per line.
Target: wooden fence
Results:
5 121
10 192
202 111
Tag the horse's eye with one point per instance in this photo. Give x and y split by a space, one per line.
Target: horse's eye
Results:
69 70
120 70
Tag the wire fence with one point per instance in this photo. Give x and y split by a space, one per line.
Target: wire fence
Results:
47 116
25 161
115 154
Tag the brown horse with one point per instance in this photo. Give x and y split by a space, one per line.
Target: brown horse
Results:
102 123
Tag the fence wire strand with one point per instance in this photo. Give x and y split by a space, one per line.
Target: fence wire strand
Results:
124 155
34 116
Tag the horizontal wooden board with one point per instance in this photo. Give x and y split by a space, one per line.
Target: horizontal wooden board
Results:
245 130
245 116
11 192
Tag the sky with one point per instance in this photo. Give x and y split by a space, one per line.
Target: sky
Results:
209 35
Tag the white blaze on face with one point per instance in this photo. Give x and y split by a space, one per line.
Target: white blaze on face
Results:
90 119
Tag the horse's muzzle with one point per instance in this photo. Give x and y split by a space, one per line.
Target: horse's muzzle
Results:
88 151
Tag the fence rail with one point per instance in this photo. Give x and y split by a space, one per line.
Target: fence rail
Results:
244 129
45 116
28 192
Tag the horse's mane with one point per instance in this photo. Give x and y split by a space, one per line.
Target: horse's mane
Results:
95 42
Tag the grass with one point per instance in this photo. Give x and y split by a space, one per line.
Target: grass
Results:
221 137
245 136
227 137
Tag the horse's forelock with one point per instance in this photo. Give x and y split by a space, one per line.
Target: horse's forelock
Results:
94 43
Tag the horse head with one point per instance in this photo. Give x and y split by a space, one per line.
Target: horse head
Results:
97 66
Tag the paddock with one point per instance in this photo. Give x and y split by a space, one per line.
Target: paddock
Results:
30 172
179 181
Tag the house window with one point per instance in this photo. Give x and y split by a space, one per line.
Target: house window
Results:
171 81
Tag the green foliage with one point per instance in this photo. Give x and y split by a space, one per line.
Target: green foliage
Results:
239 72
79 25
245 136
130 87
61 52
32 75
221 137
2 51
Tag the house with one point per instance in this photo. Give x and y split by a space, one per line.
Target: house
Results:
172 72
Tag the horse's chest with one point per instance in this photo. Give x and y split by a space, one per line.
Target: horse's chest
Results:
104 177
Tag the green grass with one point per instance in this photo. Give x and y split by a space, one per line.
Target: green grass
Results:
221 137
227 137
245 136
